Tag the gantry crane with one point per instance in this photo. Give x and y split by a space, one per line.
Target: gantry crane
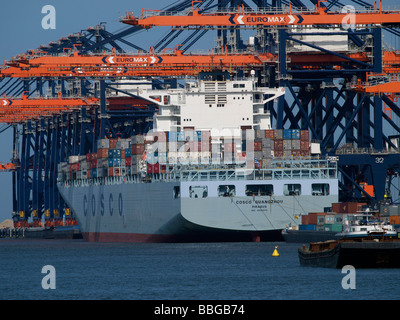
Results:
263 18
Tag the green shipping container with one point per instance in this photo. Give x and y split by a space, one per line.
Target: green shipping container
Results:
333 227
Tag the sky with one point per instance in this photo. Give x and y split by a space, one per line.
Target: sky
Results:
21 30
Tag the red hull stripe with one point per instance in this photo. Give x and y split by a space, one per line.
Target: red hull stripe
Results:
128 237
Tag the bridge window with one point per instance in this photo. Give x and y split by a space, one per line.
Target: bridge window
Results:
226 190
320 189
198 191
259 190
292 189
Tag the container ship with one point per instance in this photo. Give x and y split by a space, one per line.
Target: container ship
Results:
211 169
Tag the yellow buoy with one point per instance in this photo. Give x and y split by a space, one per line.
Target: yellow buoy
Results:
275 253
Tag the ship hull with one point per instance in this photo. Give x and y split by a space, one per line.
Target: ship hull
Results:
149 212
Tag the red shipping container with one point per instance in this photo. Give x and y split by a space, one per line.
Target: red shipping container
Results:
304 135
137 148
113 143
153 168
93 163
304 145
304 219
304 153
278 153
278 145
257 145
313 217
336 207
269 134
354 207
296 153
111 171
122 153
128 161
91 156
102 153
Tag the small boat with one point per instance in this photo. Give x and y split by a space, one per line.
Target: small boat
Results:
359 254
363 244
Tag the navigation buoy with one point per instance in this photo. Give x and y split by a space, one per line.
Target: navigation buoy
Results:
275 253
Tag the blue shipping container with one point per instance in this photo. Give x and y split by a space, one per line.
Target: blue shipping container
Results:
114 153
295 134
114 162
198 135
287 134
128 152
308 227
94 173
117 162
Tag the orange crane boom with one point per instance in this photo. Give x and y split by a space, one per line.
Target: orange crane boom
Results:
21 110
7 167
242 18
176 64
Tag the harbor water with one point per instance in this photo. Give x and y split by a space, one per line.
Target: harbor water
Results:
184 271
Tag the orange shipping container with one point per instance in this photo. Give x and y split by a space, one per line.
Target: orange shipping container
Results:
394 219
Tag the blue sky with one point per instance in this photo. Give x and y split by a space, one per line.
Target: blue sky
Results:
21 30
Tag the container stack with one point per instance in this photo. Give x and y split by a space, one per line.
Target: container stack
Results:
280 143
321 221
153 153
391 214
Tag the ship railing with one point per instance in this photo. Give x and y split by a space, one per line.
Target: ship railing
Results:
278 170
259 174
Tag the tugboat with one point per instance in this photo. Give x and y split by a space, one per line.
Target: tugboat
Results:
361 245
